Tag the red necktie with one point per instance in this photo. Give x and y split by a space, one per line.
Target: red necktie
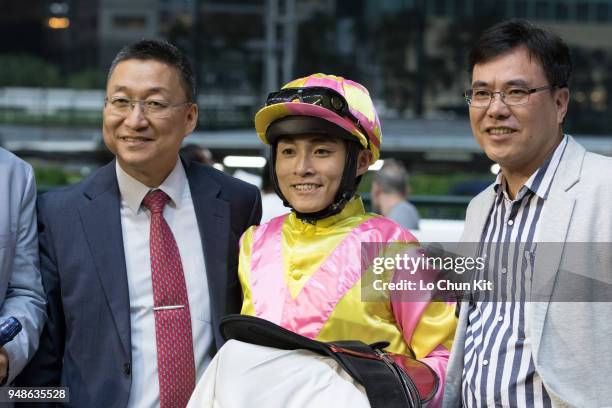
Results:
175 363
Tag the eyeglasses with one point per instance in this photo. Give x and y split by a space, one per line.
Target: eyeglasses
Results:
320 96
152 108
514 96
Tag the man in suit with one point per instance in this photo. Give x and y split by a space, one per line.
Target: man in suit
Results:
549 346
21 292
139 259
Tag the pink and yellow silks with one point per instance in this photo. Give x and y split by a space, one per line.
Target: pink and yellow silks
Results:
307 278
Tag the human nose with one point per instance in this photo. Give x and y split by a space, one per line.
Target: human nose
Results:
136 116
497 106
303 164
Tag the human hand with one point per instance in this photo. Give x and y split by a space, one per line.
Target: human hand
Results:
4 362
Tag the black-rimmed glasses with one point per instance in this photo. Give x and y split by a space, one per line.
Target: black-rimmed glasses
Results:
153 108
513 96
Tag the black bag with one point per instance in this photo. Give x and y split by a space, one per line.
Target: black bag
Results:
386 383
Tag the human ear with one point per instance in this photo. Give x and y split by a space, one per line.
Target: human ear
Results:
363 161
191 118
561 102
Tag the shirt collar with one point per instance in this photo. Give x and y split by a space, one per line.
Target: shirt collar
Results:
133 191
540 181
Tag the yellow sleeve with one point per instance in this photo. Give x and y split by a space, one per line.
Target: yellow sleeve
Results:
244 271
436 326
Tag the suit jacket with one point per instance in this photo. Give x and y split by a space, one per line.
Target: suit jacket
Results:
21 292
570 340
86 344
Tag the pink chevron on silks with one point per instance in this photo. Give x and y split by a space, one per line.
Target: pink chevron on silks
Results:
310 310
267 285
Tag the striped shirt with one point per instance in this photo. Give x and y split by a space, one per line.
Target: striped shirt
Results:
498 364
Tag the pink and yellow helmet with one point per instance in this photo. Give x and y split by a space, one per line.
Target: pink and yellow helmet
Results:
317 95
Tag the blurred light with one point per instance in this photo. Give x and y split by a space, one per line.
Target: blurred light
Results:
598 96
377 165
255 162
580 97
218 166
248 177
58 23
495 169
58 8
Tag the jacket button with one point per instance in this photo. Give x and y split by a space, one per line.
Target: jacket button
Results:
127 369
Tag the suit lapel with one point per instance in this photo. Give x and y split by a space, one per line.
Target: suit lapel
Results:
101 218
552 235
213 216
478 216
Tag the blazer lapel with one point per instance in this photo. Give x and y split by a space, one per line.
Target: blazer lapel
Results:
552 235
101 220
213 216
478 215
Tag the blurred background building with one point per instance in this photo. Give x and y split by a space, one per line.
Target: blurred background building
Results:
411 54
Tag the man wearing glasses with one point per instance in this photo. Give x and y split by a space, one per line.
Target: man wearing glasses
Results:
139 259
538 349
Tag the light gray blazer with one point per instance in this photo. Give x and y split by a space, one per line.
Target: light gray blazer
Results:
571 341
21 292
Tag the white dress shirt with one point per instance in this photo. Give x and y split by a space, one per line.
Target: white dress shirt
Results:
135 223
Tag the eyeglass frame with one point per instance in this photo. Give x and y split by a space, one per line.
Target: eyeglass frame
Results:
142 103
343 111
502 95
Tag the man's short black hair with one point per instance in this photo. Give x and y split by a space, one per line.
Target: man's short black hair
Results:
548 48
163 52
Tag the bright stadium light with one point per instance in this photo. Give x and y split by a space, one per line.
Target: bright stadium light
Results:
377 165
255 162
495 169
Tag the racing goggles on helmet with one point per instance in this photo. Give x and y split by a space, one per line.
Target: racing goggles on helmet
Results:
320 96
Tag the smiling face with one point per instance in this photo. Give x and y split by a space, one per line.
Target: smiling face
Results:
146 147
519 138
309 169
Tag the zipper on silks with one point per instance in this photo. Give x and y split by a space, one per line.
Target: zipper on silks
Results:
391 364
394 367
337 349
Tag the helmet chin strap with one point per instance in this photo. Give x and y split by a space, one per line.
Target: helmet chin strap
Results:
346 189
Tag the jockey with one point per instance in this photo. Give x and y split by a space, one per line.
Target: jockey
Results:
303 270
